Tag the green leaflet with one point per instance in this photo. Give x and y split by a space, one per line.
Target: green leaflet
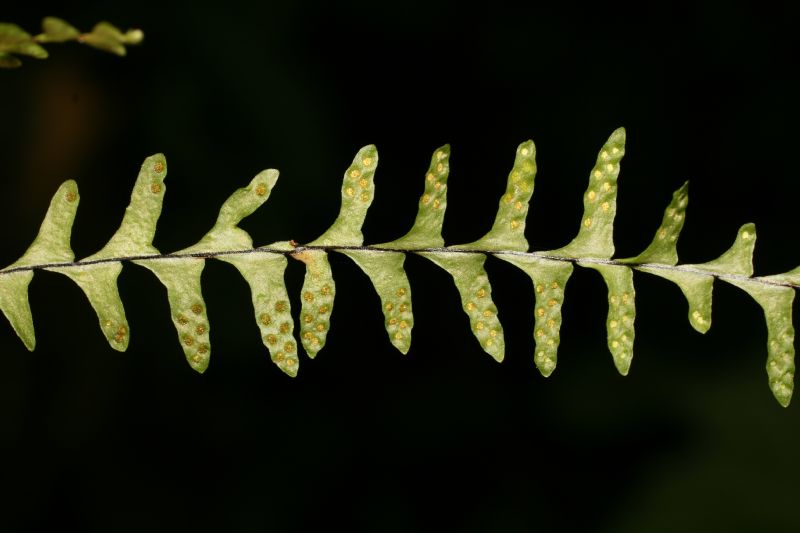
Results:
473 285
738 259
596 233
549 281
508 231
318 293
52 244
181 277
138 227
99 283
664 247
385 271
15 306
696 288
263 268
621 312
427 229
55 30
357 193
264 274
777 305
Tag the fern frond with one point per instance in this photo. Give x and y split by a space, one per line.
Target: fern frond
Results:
104 36
263 267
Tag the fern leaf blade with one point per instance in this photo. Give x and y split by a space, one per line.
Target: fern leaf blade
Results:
697 288
52 243
596 233
265 276
181 277
385 271
138 226
244 201
621 312
508 230
427 229
99 283
225 235
319 291
56 30
549 281
16 307
358 190
738 259
776 302
663 249
473 286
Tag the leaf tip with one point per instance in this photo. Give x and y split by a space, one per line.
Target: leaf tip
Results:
133 36
747 232
68 192
266 178
198 361
157 163
368 150
117 333
527 149
289 366
782 391
546 366
699 323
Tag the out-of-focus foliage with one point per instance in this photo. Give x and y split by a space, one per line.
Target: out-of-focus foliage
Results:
15 41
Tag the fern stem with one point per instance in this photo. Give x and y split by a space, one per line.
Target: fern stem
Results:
368 248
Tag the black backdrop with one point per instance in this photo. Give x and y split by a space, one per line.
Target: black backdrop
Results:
365 438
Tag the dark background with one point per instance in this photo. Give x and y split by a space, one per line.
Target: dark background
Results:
365 438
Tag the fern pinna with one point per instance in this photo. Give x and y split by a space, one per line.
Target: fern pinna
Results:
263 267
